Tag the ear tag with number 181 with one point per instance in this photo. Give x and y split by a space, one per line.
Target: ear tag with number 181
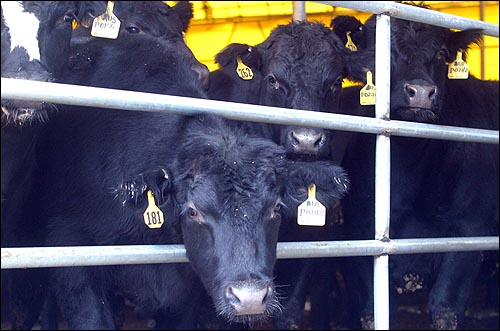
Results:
153 216
311 212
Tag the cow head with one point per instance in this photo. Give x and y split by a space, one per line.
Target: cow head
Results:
36 46
139 21
229 188
420 54
301 65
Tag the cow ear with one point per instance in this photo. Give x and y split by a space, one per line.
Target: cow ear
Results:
185 11
344 25
228 57
359 63
328 177
463 40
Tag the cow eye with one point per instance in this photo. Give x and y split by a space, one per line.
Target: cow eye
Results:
193 213
443 54
133 29
68 17
276 213
273 82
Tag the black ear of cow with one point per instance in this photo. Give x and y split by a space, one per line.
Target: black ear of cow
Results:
462 40
343 24
185 11
248 55
330 179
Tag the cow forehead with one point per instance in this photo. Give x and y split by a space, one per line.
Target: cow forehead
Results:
155 16
417 41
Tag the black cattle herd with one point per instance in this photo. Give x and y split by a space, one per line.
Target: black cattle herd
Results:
229 190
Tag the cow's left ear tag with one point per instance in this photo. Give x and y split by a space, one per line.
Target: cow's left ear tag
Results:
368 93
106 25
243 71
458 69
350 44
153 216
311 212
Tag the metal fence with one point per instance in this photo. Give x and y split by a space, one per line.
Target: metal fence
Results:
381 247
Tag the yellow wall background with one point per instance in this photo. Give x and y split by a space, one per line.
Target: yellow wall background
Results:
217 24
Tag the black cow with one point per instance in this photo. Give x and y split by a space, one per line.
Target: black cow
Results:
218 186
300 65
439 188
35 46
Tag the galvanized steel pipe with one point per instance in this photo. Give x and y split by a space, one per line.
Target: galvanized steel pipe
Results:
413 13
139 101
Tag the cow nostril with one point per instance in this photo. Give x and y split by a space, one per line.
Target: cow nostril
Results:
432 93
230 296
320 142
293 139
410 90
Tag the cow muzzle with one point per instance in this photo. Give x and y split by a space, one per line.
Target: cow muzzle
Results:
248 298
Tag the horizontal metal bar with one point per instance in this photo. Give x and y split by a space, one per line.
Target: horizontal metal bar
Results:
40 257
413 13
138 101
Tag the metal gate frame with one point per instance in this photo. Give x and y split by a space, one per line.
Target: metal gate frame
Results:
380 248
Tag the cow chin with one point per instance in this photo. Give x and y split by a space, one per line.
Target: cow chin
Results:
423 115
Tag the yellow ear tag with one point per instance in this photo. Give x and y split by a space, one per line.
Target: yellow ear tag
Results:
311 212
107 25
243 71
153 216
368 92
74 24
458 69
350 44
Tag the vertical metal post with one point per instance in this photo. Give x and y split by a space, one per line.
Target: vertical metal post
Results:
382 172
481 46
299 11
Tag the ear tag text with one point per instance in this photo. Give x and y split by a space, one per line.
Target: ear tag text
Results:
153 216
311 212
350 44
106 25
458 69
243 71
368 92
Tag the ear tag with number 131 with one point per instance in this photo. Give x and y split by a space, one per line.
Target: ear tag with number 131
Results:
153 216
311 212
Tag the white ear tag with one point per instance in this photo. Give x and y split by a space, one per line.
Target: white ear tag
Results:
311 212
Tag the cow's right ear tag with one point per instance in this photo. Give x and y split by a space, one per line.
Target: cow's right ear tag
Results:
458 69
243 71
153 216
106 25
350 44
368 92
311 212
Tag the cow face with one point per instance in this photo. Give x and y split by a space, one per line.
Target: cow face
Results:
139 21
36 46
301 65
420 54
229 187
